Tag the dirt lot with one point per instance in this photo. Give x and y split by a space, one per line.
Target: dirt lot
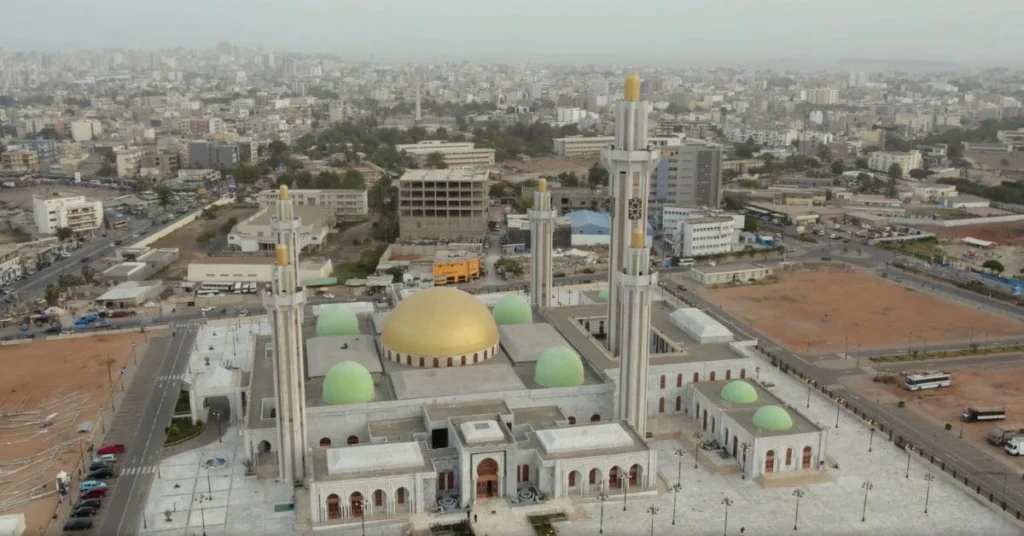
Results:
1003 234
554 165
981 386
809 311
185 239
64 379
22 197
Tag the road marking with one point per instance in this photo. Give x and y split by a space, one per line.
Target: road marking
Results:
138 470
170 377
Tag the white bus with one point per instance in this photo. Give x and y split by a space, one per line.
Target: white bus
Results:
250 288
983 414
927 380
220 287
207 293
238 288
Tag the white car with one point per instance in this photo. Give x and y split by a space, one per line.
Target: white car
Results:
327 296
207 309
243 312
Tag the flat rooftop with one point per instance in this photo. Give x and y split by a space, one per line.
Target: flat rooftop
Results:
370 460
730 268
322 353
444 175
743 413
583 440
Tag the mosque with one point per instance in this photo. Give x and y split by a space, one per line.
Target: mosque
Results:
441 399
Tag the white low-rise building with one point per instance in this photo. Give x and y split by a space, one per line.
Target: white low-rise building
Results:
709 235
883 160
933 192
456 154
582 146
10 263
730 274
348 204
72 211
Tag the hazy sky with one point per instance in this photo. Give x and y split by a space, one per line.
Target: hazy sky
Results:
601 31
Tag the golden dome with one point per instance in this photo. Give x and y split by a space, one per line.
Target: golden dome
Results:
440 322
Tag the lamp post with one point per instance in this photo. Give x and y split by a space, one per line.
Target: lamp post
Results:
653 510
871 437
743 461
908 461
362 517
867 485
727 502
808 393
929 478
216 415
625 490
838 407
202 513
798 493
757 374
134 359
602 497
680 454
675 497
696 447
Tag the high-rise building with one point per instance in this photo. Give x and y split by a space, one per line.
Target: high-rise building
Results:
688 175
629 163
542 228
442 204
72 211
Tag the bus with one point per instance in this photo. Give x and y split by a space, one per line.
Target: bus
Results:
238 288
927 380
250 288
220 287
983 414
207 293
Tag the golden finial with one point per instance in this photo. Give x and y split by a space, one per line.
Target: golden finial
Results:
282 250
638 239
542 185
283 193
632 93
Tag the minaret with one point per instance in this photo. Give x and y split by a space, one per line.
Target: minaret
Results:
542 229
419 111
629 162
284 304
636 285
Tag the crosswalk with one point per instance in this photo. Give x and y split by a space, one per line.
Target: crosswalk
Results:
184 324
170 377
833 387
138 470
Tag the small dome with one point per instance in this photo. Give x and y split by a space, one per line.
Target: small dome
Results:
772 418
512 309
336 320
603 295
348 382
558 366
739 392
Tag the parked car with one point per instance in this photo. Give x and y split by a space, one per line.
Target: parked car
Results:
91 503
206 309
112 448
95 466
101 474
84 511
243 312
90 484
94 493
77 524
105 458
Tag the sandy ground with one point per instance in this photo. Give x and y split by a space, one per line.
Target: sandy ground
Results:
815 312
67 378
554 165
1003 234
981 386
22 197
185 239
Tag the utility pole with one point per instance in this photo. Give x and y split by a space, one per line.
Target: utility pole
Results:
867 485
929 478
675 497
798 493
602 497
727 502
653 510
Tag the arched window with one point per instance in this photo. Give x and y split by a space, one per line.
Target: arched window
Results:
408 360
352 440
572 420
449 361
662 381
789 457
378 498
333 506
712 375
679 380
463 360
325 441
594 476
728 374
400 496
679 403
661 405
696 377
399 358
474 359
422 362
743 373
525 472
474 356
806 458
769 461
572 479
595 418
435 362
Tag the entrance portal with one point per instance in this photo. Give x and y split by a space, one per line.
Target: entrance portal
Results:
487 479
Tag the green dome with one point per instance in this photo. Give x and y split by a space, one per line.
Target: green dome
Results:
772 418
739 392
603 295
336 320
558 366
512 309
348 382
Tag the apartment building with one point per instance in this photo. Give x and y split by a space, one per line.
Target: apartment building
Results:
128 161
348 205
689 175
164 164
46 149
1011 136
190 126
72 211
883 160
582 146
444 204
21 160
456 154
711 235
823 96
86 129
762 137
210 155
10 263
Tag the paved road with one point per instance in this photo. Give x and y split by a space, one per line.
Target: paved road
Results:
977 361
139 425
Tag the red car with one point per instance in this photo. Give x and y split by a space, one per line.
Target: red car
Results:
94 493
113 448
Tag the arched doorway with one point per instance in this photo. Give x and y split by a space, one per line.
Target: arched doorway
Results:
355 503
572 420
613 478
449 361
487 479
634 475
352 440
600 328
435 362
704 425
806 462
661 405
263 446
422 361
743 373
712 426
524 473
378 498
679 403
696 377
595 418
574 480
769 462
402 500
325 441
333 506
789 457
595 477
735 446
728 374
712 375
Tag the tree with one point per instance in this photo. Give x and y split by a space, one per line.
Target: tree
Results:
106 170
568 179
838 167
750 223
353 180
895 171
228 225
52 294
64 233
861 164
496 190
993 266
734 202
829 195
435 160
597 176
327 180
48 133
88 273
163 195
1004 162
824 153
918 173
890 188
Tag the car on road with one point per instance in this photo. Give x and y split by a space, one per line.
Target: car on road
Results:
327 296
207 309
90 485
105 458
85 259
94 493
84 511
90 503
112 448
95 466
77 524
243 312
101 474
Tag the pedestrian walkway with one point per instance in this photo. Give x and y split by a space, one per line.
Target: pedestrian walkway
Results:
139 470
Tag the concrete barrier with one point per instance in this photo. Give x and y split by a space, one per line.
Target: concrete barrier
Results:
185 220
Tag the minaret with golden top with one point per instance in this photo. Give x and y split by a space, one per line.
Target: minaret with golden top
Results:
637 282
542 229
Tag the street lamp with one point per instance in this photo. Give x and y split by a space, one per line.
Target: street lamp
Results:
216 415
867 485
696 446
871 437
680 454
929 478
625 490
838 407
757 374
727 502
808 393
362 517
908 448
653 510
798 493
602 497
675 497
